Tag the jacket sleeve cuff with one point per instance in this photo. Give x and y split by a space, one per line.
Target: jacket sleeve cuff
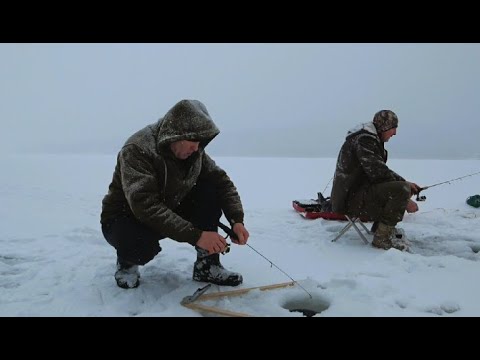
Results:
236 219
193 236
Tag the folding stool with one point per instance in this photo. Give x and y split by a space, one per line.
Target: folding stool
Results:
354 221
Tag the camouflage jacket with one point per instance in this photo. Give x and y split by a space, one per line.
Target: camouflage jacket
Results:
361 162
149 182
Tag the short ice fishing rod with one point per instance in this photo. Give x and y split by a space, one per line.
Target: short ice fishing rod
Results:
423 198
233 236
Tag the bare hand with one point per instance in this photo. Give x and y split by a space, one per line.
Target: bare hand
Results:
241 232
414 188
212 241
411 206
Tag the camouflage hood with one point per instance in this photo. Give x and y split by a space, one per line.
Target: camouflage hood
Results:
187 120
149 182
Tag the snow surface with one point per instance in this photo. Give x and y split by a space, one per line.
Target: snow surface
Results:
54 260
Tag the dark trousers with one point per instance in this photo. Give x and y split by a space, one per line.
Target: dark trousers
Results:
385 202
136 243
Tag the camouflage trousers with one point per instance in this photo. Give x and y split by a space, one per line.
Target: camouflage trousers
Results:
385 202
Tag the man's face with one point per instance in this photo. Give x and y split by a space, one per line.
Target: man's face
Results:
386 135
184 148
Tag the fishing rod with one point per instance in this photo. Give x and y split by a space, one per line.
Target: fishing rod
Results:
423 198
327 185
234 236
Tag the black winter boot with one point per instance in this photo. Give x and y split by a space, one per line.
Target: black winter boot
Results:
127 275
208 269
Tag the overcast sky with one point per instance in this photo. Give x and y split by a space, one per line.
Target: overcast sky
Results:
267 99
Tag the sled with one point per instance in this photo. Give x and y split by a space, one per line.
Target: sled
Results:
312 209
320 208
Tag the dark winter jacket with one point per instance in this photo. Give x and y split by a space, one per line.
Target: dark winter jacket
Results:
361 163
149 182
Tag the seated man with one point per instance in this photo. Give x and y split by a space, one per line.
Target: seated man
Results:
363 184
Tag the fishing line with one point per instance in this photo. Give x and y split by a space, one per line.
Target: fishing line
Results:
232 235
